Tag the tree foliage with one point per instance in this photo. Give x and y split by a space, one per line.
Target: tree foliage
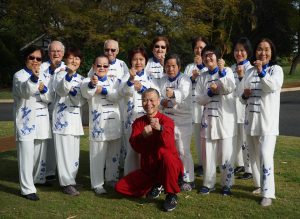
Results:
88 23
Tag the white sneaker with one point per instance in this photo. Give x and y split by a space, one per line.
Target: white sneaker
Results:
266 202
99 190
257 191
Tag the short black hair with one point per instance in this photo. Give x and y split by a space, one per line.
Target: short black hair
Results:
173 56
136 50
213 49
75 52
196 40
273 50
149 90
30 50
100 56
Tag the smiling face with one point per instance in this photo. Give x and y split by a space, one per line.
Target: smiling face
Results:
34 60
111 50
150 102
138 62
198 47
56 52
240 54
160 49
172 68
73 62
210 60
263 52
101 66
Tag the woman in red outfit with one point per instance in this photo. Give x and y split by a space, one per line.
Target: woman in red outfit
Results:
153 137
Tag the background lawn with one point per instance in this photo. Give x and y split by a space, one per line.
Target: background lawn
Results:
243 204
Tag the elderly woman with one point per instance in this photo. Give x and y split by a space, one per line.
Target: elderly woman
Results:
214 92
242 52
193 70
261 93
155 65
67 125
133 85
105 125
32 124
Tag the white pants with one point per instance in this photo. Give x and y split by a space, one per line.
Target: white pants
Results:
67 157
242 149
210 150
132 159
104 154
51 158
123 147
197 127
183 136
32 164
262 161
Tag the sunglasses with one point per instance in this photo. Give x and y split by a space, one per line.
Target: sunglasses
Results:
102 66
158 46
38 59
208 55
112 50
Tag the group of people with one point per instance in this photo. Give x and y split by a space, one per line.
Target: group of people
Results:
142 118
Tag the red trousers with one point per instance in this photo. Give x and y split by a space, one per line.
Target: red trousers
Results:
140 182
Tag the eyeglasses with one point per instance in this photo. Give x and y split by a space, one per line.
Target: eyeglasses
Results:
158 46
38 59
102 66
112 50
208 55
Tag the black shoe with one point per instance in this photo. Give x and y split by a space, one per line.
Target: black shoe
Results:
199 171
46 184
170 202
239 169
51 178
246 176
31 197
155 192
226 191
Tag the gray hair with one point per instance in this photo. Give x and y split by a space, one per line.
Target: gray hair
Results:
111 40
58 42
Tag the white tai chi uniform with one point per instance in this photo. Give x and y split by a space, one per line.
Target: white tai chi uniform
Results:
262 123
154 69
32 128
241 149
197 108
104 129
180 110
118 70
134 109
218 129
50 154
67 125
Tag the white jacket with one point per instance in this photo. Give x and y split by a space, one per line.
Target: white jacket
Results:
31 114
240 108
179 107
104 113
67 107
133 98
219 117
197 109
154 69
262 107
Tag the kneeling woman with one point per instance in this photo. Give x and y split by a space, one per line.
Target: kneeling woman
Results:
67 125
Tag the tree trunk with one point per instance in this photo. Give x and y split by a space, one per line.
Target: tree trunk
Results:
295 62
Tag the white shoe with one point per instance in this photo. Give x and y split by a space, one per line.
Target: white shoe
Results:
257 191
100 190
266 202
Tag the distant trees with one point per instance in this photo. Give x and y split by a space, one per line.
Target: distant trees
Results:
88 23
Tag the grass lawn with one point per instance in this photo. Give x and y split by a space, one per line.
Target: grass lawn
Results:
243 204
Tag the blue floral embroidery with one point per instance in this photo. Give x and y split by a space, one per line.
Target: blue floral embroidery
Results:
26 130
229 173
97 130
130 107
60 123
76 163
43 170
266 174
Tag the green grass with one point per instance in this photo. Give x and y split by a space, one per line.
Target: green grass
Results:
6 129
55 204
5 94
291 79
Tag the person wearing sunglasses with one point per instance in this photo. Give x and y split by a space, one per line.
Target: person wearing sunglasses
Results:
66 124
260 92
49 68
176 102
215 92
242 53
155 65
193 70
104 125
132 87
31 117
